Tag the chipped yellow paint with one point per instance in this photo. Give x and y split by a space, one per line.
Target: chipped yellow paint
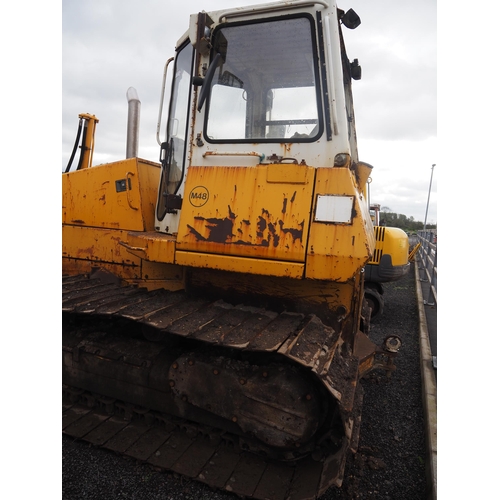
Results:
247 211
338 251
241 264
97 215
90 196
71 267
91 243
152 246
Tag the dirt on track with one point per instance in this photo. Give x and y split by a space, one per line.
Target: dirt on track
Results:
390 463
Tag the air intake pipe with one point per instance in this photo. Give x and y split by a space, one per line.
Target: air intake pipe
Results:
134 115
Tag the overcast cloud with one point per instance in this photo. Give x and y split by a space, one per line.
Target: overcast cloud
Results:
109 46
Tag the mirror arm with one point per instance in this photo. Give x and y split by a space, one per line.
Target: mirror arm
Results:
207 81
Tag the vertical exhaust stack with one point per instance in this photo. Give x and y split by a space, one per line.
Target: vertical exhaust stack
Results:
134 115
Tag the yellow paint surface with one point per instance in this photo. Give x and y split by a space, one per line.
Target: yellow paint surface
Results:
339 251
247 211
240 264
99 206
90 197
96 244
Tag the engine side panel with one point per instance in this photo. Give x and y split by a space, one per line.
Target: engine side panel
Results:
119 195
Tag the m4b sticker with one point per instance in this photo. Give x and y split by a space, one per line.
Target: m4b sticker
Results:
198 196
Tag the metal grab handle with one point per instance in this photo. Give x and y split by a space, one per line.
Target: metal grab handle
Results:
158 125
261 156
129 188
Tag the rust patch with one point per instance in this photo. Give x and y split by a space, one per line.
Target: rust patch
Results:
267 231
196 234
274 235
261 226
283 210
296 233
89 252
219 230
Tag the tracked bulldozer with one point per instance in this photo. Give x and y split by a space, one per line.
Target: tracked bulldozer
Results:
214 319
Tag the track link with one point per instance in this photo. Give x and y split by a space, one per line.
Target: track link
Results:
216 458
203 454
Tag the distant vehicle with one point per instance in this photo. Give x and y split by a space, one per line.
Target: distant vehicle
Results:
390 261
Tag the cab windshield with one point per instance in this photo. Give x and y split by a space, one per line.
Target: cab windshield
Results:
266 87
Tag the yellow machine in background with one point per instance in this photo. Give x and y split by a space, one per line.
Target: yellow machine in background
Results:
234 304
390 260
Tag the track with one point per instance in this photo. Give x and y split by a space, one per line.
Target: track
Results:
249 454
208 457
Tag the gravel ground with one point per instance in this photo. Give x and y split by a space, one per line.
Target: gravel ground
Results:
389 465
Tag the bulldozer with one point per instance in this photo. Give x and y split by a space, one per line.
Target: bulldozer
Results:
214 315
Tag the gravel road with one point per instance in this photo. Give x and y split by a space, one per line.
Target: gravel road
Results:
389 465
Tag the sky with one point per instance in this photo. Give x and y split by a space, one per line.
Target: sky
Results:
109 46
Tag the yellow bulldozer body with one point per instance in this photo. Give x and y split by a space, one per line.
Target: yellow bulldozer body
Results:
301 232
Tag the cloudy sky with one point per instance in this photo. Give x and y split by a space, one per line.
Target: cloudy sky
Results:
109 46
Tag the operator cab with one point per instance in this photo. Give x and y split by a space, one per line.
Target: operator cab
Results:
255 86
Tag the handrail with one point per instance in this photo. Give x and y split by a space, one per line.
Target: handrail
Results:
428 257
129 176
158 125
332 101
261 156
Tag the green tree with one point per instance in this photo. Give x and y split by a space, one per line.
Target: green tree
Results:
408 224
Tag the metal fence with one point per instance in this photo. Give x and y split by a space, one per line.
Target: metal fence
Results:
427 261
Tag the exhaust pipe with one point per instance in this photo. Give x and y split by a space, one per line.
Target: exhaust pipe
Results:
134 114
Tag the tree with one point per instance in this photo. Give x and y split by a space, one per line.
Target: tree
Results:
408 224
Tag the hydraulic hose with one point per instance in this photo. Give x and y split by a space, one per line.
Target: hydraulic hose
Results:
79 132
84 141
